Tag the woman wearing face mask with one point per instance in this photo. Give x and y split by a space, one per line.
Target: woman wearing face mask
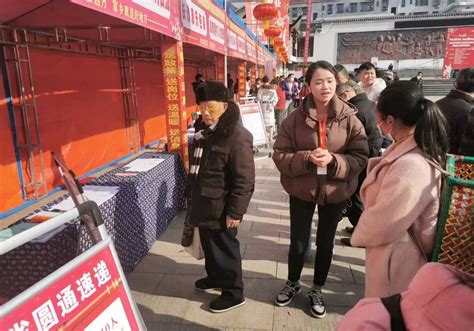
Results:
320 150
402 190
222 178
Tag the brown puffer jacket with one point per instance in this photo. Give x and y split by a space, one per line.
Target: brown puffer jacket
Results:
299 135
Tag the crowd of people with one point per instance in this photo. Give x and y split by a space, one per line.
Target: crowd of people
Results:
374 150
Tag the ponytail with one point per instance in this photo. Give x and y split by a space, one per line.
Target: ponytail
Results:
404 101
431 132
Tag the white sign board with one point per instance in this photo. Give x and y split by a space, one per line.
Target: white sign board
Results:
252 120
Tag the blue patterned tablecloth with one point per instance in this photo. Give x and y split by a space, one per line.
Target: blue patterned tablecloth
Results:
143 207
134 218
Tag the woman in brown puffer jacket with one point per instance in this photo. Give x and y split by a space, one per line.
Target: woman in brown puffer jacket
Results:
320 150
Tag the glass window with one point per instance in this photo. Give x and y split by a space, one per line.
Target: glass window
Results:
340 7
324 7
315 16
367 6
353 7
403 3
329 9
384 5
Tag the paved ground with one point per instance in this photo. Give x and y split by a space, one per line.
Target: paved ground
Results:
163 282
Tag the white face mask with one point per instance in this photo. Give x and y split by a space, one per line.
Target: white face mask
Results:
384 131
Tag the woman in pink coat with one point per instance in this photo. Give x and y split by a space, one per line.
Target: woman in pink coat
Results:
402 190
440 297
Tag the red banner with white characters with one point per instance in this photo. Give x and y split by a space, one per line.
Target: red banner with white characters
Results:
160 16
237 45
204 24
308 31
251 50
459 50
90 297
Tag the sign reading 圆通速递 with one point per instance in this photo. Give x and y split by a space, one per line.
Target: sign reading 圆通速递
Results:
91 296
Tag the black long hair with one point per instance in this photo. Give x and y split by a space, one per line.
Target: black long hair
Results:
319 65
404 101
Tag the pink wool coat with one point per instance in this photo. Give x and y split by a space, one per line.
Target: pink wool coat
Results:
438 298
401 189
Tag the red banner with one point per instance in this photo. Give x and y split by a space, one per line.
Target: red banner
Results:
308 30
251 50
459 50
242 80
175 99
253 74
237 41
204 24
220 70
160 16
89 297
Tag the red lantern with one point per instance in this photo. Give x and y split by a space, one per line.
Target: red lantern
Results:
278 41
272 31
265 12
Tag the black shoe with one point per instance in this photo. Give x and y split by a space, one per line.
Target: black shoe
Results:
346 241
316 302
287 294
204 284
349 229
221 305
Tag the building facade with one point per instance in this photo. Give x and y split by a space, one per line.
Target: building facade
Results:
338 8
405 33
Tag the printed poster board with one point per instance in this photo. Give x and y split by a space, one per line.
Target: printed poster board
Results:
459 50
252 119
88 293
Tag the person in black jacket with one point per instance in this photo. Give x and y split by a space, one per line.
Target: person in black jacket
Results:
457 107
354 95
198 79
222 179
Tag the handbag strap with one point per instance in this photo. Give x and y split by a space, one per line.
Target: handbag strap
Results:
392 304
411 230
435 165
416 240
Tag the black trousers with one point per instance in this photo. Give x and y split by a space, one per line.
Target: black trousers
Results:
223 262
301 218
357 207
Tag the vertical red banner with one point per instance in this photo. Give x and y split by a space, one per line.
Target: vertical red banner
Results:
220 72
308 31
175 98
242 79
253 74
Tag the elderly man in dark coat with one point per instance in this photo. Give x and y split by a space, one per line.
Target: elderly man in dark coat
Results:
222 178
